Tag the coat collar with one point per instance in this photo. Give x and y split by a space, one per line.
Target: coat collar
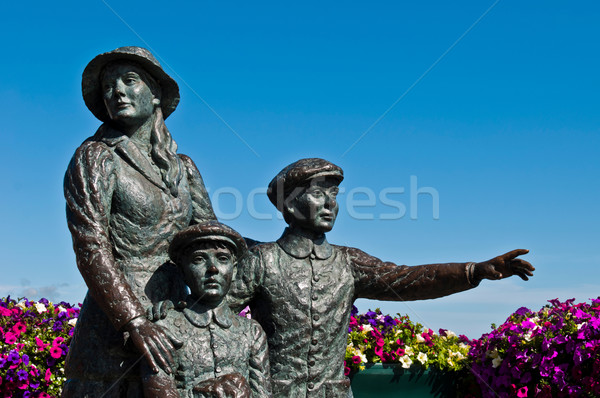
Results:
300 246
129 152
201 315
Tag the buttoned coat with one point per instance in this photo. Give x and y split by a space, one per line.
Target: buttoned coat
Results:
301 291
217 342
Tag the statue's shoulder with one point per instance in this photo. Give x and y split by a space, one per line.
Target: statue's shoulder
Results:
250 327
92 154
265 248
188 163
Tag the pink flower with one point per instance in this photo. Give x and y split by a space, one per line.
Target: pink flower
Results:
55 352
57 341
47 377
40 344
19 328
10 338
522 392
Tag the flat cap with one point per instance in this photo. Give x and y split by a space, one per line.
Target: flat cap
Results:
298 174
209 231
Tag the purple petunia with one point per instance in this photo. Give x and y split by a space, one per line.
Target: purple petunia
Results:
14 356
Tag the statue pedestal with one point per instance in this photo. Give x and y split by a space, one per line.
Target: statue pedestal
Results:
391 380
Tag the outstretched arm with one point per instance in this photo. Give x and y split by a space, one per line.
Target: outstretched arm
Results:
379 280
376 279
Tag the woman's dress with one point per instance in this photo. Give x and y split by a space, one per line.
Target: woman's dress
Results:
122 218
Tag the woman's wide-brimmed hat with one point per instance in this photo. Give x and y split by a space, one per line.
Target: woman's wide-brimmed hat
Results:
91 87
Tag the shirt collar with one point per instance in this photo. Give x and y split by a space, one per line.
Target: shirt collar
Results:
300 246
201 315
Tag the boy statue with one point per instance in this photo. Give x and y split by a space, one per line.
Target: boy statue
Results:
301 288
223 355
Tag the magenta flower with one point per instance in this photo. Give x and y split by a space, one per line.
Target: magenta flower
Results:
10 338
47 375
55 352
19 328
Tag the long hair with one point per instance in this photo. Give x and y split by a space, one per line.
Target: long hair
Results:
164 148
164 152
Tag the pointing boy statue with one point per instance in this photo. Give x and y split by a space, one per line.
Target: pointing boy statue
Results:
301 288
222 355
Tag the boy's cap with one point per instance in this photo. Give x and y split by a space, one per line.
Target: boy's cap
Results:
209 231
297 174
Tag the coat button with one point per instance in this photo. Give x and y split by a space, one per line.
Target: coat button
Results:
311 362
315 297
310 385
218 369
316 317
211 326
314 342
316 278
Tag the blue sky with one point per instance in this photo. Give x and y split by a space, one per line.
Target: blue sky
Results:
491 105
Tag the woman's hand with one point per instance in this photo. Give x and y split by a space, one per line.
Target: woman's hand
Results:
153 343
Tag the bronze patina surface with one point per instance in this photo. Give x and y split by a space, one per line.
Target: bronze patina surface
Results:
301 288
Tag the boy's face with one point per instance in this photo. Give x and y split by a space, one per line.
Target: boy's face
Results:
208 271
316 208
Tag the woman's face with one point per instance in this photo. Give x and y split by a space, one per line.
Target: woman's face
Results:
127 97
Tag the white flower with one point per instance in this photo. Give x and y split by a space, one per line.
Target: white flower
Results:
450 333
405 361
449 360
40 307
72 321
367 328
21 305
409 351
363 357
527 336
420 339
61 309
422 357
496 362
458 355
464 346
380 318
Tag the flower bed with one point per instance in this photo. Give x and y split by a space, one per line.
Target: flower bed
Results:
554 352
374 337
34 340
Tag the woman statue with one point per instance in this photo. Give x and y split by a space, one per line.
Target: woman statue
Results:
128 193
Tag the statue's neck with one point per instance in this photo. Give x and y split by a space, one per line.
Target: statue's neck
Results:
307 233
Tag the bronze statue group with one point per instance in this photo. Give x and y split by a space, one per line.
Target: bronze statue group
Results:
166 279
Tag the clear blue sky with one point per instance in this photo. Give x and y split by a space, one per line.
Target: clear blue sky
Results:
504 124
